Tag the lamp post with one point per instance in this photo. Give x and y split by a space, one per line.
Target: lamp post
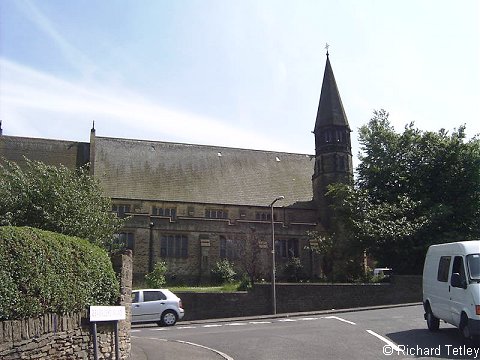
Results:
150 248
274 295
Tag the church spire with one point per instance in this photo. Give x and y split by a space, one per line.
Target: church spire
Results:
333 149
330 108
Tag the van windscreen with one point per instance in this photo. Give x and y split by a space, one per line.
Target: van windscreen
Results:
473 261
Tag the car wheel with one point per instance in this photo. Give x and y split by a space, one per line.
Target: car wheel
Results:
464 328
168 318
433 323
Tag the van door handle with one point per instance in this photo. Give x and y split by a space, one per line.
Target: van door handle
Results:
162 303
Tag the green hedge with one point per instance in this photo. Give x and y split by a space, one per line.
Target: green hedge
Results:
45 272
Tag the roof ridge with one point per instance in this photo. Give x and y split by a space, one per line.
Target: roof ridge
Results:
199 145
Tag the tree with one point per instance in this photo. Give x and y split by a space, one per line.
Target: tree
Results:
413 189
385 230
323 245
340 253
249 250
56 199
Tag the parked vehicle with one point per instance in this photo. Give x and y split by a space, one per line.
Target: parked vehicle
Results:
382 275
156 305
451 286
382 272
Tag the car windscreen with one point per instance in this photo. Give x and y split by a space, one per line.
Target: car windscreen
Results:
473 261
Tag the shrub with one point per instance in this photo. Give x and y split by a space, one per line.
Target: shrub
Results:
57 199
245 284
44 272
156 278
222 272
294 269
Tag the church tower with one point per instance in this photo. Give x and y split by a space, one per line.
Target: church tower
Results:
333 149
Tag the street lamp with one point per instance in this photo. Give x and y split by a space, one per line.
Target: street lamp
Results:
274 295
150 248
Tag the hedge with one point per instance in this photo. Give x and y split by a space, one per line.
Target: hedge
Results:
44 272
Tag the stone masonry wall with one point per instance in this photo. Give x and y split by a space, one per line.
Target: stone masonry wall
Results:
58 337
301 297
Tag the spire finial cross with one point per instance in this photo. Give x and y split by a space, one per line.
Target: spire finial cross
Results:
326 47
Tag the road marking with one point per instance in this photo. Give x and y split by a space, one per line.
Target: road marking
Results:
340 319
246 323
385 340
205 347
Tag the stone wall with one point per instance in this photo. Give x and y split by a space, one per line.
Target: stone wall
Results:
204 234
69 336
301 297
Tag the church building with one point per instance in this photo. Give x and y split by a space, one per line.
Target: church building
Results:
193 205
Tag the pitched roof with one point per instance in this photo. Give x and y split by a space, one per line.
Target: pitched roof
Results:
330 107
71 154
163 171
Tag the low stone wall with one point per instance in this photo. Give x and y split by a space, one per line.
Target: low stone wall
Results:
301 297
53 337
70 336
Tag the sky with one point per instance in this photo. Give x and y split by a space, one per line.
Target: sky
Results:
235 73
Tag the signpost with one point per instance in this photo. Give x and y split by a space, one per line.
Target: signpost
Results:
106 314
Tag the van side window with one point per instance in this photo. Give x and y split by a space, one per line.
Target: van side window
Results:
459 268
443 267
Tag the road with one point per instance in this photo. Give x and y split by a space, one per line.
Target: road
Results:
395 333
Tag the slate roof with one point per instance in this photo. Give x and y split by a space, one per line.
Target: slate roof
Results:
71 154
163 171
330 107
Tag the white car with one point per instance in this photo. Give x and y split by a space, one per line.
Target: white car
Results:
156 305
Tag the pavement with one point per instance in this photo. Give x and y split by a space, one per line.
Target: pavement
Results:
159 349
144 348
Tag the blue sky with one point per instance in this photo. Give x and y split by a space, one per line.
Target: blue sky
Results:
234 73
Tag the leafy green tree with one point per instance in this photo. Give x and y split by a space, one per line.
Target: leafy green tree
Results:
340 252
413 189
323 245
385 230
56 199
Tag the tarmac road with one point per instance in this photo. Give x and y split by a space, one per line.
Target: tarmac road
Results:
373 333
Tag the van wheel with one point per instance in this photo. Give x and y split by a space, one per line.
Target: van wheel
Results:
464 328
168 318
433 323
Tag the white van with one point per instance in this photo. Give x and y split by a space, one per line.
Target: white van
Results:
451 286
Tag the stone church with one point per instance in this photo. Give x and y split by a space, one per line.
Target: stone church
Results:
193 205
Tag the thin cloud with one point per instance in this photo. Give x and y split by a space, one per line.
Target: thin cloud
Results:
76 58
29 92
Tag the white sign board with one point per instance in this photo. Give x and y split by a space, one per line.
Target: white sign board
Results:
107 313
